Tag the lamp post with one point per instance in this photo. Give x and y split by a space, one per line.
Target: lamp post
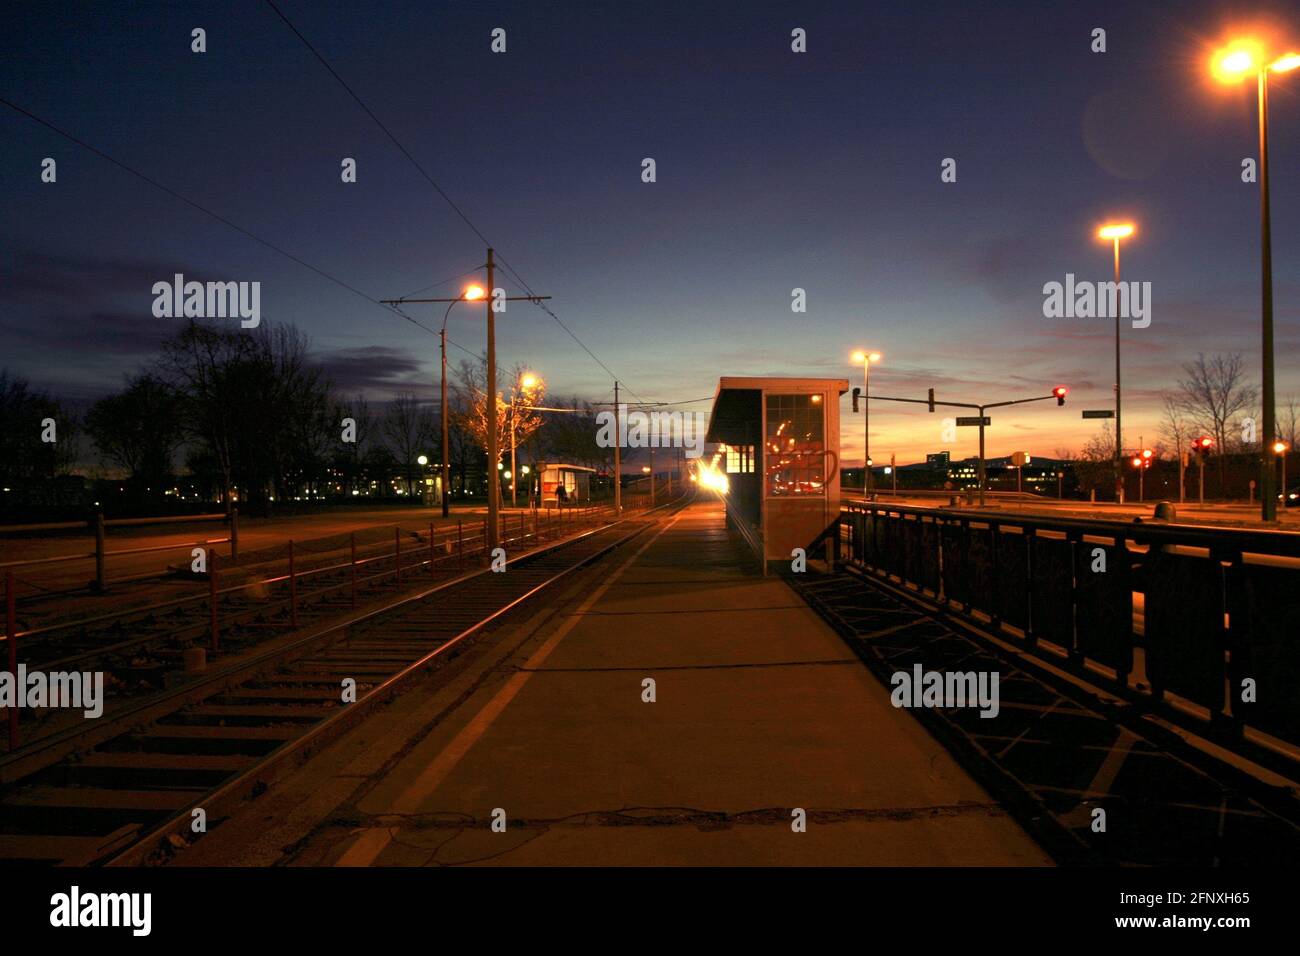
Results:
471 294
1233 63
527 382
496 302
866 358
1280 448
1115 232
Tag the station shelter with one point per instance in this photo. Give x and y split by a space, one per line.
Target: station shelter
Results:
574 479
780 451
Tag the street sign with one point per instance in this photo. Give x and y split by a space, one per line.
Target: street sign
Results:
1099 413
975 420
1020 458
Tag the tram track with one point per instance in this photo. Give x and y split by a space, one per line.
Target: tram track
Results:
124 788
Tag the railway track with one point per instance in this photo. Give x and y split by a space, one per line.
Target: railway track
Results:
125 788
1057 751
141 649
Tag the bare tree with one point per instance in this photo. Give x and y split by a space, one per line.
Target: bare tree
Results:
1176 429
1288 421
514 416
351 456
1212 393
408 429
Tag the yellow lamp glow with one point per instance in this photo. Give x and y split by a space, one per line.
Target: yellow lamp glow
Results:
474 292
529 380
1116 230
1239 59
1286 63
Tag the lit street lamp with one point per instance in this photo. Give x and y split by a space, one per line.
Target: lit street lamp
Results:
1280 448
866 358
527 382
1115 232
1235 62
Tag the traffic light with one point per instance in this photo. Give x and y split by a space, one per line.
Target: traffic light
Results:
856 392
1059 392
1203 445
931 399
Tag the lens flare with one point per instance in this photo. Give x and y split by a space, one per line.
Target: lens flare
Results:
708 476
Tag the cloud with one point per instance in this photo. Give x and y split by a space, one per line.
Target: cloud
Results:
113 332
374 369
42 279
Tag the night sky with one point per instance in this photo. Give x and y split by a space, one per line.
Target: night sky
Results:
775 170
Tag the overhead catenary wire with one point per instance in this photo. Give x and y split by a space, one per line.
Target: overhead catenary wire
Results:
144 177
442 192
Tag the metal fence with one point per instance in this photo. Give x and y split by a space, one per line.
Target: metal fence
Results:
1199 622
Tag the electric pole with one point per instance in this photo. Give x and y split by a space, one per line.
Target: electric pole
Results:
493 438
618 458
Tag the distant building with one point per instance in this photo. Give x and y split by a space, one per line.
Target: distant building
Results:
939 459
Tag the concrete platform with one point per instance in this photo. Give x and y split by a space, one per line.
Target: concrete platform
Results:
759 709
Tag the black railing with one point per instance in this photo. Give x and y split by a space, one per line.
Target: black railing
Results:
1217 609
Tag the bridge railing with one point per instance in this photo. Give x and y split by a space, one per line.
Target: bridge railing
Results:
1199 623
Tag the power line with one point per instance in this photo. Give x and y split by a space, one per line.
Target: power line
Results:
441 192
468 272
208 212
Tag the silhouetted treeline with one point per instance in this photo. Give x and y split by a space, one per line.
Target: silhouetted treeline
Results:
250 418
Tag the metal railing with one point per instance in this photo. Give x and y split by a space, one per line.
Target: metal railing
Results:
98 525
1199 623
406 553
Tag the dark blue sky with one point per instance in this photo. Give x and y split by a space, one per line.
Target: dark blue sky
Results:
775 171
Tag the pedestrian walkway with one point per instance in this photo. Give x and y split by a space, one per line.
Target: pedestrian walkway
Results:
759 711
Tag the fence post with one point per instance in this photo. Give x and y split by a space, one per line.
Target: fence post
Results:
352 565
215 629
293 589
234 535
397 552
460 542
11 633
100 581
431 572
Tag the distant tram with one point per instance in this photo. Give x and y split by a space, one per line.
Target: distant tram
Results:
564 484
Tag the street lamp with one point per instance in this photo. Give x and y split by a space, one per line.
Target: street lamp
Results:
1114 232
471 293
527 382
1280 448
1231 64
866 358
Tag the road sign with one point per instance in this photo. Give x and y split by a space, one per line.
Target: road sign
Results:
1020 458
1099 413
975 420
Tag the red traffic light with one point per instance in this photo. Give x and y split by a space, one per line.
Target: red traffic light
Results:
1059 392
1204 442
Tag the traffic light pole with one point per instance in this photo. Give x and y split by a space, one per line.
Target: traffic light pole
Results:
1058 394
